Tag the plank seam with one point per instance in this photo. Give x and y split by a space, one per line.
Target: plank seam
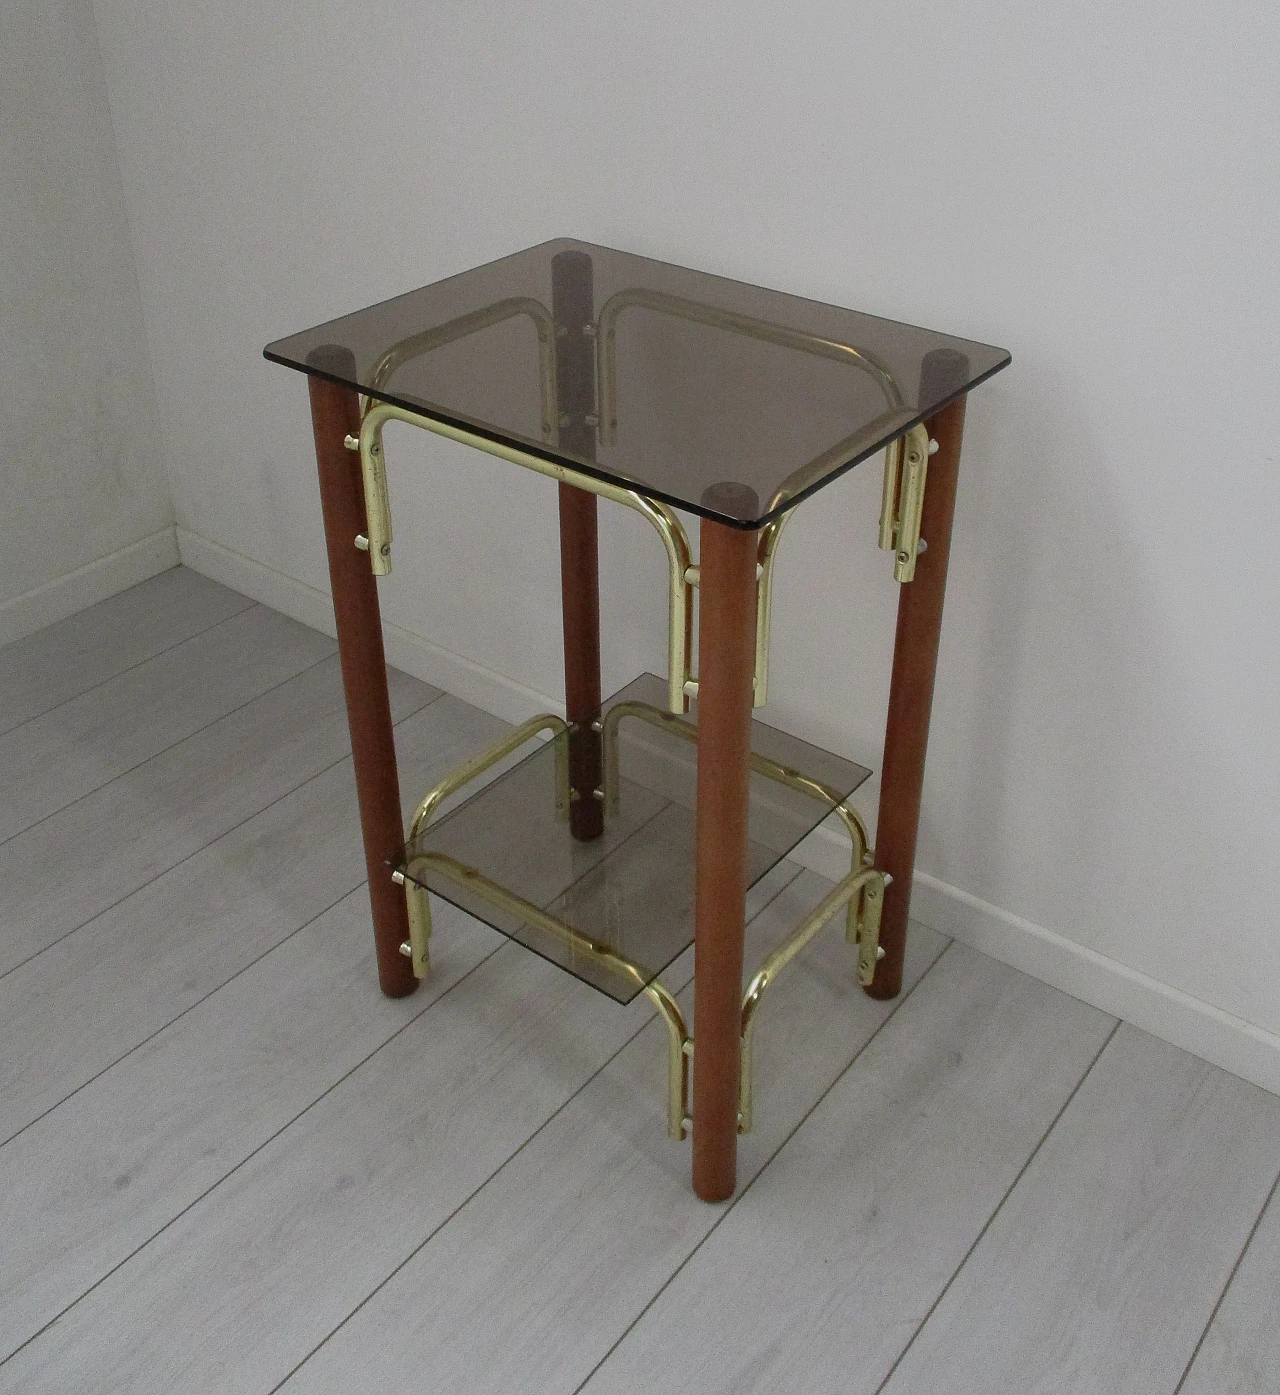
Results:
763 1169
986 1225
290 1122
218 988
467 1200
44 818
1244 1250
164 872
265 1142
195 634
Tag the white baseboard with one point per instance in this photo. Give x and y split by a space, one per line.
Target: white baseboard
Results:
1168 1013
88 585
484 688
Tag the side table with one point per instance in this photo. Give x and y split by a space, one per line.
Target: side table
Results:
638 826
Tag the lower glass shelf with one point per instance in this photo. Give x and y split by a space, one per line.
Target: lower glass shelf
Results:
617 909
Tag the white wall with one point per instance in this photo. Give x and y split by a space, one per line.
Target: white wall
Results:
1093 186
84 509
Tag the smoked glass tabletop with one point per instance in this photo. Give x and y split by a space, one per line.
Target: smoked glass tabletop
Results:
726 399
630 891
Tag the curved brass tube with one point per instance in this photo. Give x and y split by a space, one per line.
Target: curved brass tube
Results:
855 827
677 1033
663 518
417 902
765 554
686 731
440 335
679 595
869 884
748 325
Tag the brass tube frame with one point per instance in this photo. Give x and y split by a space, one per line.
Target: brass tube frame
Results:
768 548
867 885
747 325
663 518
416 900
497 313
804 342
780 774
863 885
902 504
678 1040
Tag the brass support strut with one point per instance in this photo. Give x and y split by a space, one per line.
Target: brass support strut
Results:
418 903
906 462
869 884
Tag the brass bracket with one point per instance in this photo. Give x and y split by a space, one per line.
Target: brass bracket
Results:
906 462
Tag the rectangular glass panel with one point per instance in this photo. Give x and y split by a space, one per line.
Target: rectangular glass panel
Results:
630 890
668 381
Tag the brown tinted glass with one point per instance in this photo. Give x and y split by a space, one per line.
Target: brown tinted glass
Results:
629 891
664 380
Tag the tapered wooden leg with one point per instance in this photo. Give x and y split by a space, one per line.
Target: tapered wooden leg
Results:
726 663
573 306
915 662
335 413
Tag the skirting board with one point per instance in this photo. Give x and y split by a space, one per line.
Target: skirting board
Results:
86 586
1165 1012
1168 1013
484 688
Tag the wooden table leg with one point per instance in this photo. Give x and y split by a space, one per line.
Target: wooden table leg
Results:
573 307
726 663
915 662
335 414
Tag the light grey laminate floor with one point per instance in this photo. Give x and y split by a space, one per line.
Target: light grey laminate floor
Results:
228 1164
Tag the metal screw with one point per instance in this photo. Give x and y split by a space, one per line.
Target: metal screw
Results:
362 543
351 442
921 546
385 550
407 950
933 447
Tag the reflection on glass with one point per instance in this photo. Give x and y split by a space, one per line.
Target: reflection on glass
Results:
714 382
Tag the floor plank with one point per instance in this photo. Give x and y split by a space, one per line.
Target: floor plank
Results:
64 660
1102 1269
76 1008
241 1286
817 1276
528 1286
1240 1354
77 747
108 1169
84 859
